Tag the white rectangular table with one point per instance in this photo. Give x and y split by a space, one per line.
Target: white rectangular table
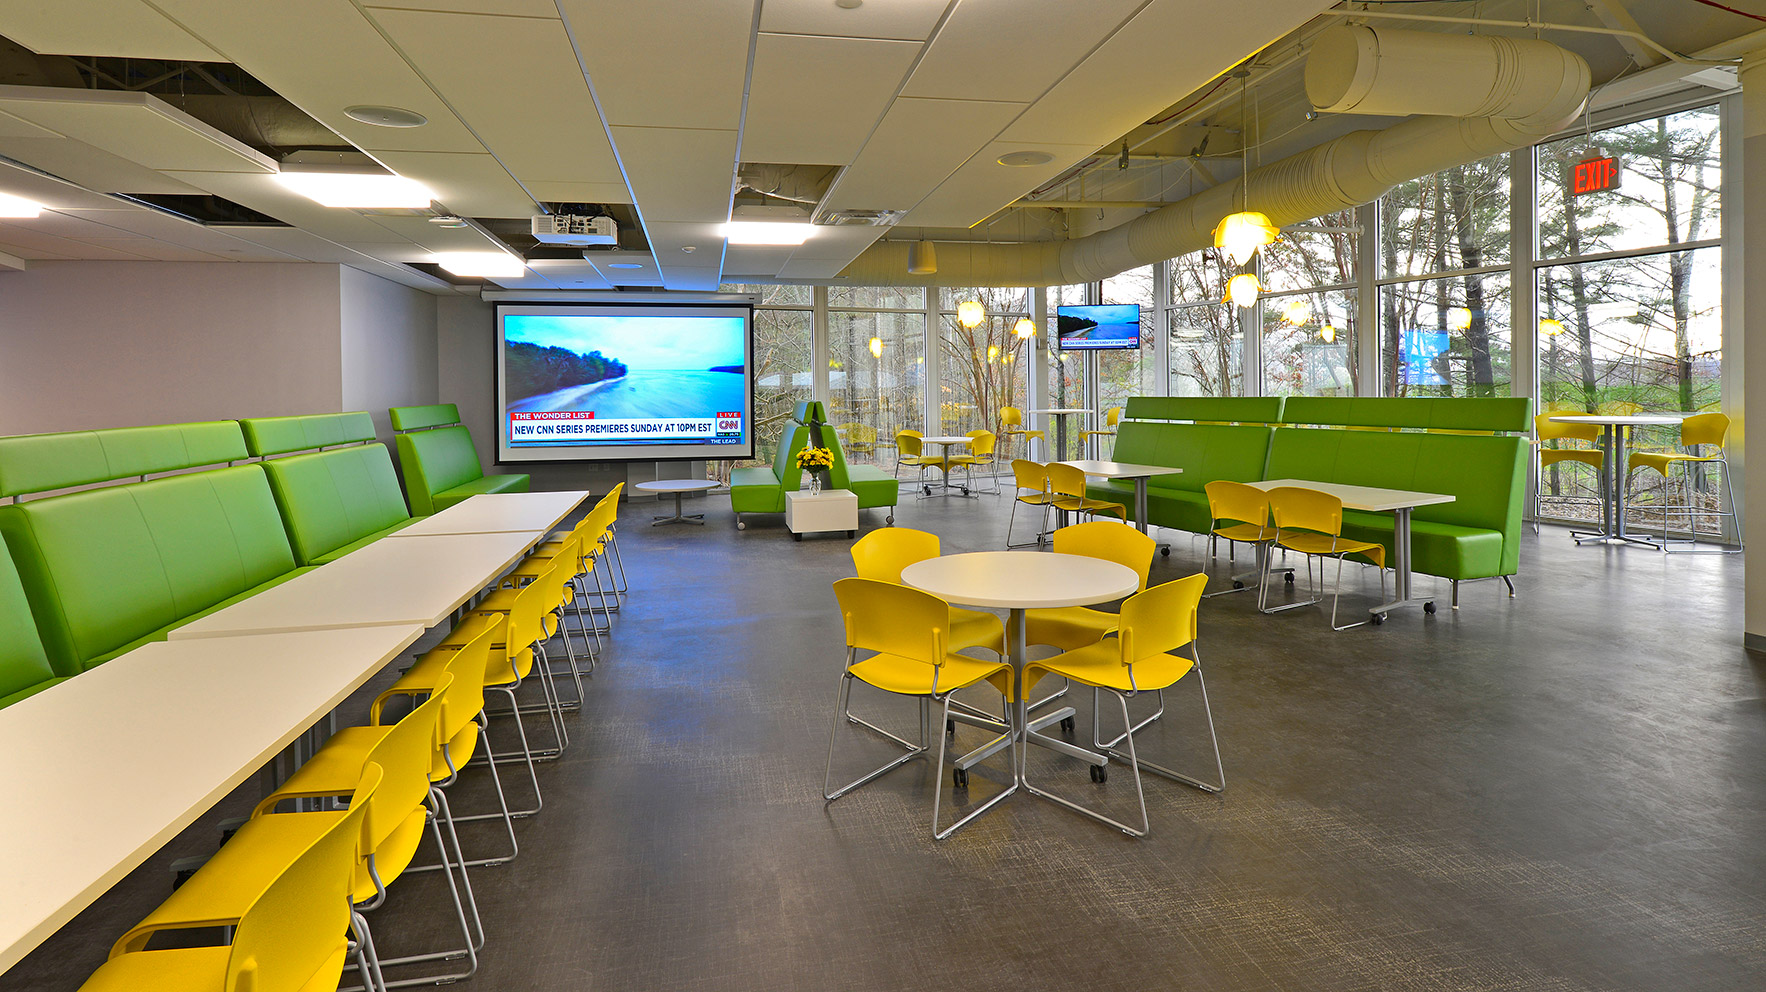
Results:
1398 502
830 509
495 513
104 769
388 582
1612 505
1127 470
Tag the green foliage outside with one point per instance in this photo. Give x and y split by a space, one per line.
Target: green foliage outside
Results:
531 370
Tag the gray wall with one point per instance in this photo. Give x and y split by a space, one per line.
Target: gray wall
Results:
115 344
388 346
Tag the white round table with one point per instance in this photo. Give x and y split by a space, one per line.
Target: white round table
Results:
1612 505
1019 581
678 487
945 441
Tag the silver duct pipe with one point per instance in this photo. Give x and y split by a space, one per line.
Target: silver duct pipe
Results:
1482 95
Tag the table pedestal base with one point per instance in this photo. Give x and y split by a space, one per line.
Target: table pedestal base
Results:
678 518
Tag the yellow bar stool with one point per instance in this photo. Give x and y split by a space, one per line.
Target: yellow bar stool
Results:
1140 656
1112 417
1701 440
1012 426
1547 430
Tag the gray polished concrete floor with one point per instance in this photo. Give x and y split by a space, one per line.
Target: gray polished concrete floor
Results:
1562 791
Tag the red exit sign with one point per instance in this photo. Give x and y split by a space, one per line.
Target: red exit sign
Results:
1594 175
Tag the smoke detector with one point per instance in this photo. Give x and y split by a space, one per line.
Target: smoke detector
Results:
575 230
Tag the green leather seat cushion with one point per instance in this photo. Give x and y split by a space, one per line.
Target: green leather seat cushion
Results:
872 486
762 490
364 542
439 461
104 567
513 483
6 701
160 634
335 498
24 668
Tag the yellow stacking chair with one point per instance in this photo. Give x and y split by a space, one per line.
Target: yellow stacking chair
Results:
908 452
290 921
1545 429
1697 433
1012 426
593 536
1240 513
1311 523
1112 417
906 633
1032 480
979 455
1068 486
1139 657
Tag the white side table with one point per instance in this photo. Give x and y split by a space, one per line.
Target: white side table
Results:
831 509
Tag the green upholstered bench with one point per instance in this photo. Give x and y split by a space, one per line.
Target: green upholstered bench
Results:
438 462
1458 414
24 668
1474 537
333 502
761 488
1205 452
107 570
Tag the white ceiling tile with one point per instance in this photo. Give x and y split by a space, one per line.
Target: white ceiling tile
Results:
678 174
1026 45
839 242
419 231
51 192
1167 50
692 279
919 143
266 196
575 273
32 254
982 186
159 251
138 127
323 56
511 8
80 163
556 136
756 259
580 192
26 242
120 28
907 19
15 127
813 101
474 185
665 63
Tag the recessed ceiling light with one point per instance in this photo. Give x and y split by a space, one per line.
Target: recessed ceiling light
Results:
689 249
448 220
758 232
1022 159
354 189
849 4
385 116
625 265
494 264
18 206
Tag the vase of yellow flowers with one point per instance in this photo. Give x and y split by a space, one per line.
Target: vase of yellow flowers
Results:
816 461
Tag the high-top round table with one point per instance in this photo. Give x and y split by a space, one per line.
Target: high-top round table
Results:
1612 504
1019 581
1058 424
677 486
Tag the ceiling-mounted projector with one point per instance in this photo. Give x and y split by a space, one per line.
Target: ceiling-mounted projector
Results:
574 229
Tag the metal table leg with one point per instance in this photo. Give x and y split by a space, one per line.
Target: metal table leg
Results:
1401 595
694 518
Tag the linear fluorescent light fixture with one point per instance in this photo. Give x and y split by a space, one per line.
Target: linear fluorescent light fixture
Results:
489 264
357 190
18 206
767 232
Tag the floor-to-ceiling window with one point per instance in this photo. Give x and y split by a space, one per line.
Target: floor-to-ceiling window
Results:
1066 373
783 329
1637 326
1310 321
876 368
983 361
1129 372
1206 336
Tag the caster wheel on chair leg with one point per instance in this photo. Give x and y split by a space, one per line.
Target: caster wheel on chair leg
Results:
741 526
1288 577
950 728
1099 773
1379 618
1237 584
1429 607
1165 552
959 777
1067 724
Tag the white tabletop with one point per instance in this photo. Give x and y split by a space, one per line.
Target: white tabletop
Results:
947 439
1062 409
1622 420
104 769
675 485
1021 579
494 513
1361 497
1120 470
387 582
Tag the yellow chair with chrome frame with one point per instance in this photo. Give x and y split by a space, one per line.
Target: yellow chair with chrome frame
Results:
1112 417
1545 429
1139 657
978 455
1012 426
1311 523
1698 432
908 452
906 633
1032 481
1068 486
290 918
1240 513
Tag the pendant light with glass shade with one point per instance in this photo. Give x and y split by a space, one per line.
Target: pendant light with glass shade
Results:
1025 328
970 313
1240 234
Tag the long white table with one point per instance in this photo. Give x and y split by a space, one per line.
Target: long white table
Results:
1127 470
498 513
388 582
1399 503
102 770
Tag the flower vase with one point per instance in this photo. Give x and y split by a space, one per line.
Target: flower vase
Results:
815 483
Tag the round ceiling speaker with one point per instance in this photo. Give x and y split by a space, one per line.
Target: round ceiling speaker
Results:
385 116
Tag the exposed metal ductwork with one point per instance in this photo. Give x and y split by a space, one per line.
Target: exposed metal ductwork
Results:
1481 95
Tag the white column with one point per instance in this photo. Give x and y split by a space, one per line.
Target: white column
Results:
1753 309
1734 297
1367 301
932 423
818 345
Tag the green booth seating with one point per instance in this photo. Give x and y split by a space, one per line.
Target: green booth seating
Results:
762 490
438 462
1206 452
1474 537
266 436
333 502
1484 414
107 570
40 463
1205 409
24 668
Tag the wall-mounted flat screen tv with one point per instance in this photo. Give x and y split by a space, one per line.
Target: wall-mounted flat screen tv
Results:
594 382
1098 328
